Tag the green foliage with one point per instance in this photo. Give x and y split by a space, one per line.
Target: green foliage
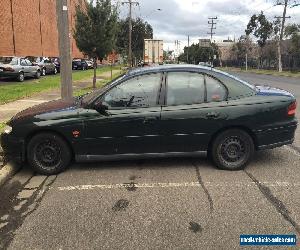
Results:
293 32
96 28
261 28
199 54
140 30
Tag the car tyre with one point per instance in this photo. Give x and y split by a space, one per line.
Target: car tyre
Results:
38 74
21 77
232 149
55 71
43 71
48 153
83 67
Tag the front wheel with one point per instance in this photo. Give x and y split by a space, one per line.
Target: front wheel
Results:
55 71
232 149
48 153
43 72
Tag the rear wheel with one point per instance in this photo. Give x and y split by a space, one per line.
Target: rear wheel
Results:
48 153
21 77
55 71
38 74
232 149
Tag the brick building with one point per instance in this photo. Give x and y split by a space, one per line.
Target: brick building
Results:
29 28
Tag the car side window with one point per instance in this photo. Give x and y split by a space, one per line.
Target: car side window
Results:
28 62
23 62
185 88
216 92
138 92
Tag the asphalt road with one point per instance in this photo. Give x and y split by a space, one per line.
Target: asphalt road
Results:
154 204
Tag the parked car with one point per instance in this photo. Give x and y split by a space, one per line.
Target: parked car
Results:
90 64
79 64
160 111
45 64
18 67
206 64
56 61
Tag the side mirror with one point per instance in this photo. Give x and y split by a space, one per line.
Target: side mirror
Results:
101 108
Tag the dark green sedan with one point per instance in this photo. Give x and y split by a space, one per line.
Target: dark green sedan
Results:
165 111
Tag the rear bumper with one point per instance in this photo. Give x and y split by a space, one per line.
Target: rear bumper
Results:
13 147
276 136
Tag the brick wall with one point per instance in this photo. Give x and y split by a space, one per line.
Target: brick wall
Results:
33 25
6 35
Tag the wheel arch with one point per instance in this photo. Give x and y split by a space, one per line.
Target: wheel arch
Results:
240 127
39 131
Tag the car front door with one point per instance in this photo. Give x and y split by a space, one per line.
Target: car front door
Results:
193 111
24 66
131 123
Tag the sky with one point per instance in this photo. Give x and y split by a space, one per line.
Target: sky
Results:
180 18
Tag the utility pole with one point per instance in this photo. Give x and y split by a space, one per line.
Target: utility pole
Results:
177 50
283 17
188 48
64 49
212 23
130 3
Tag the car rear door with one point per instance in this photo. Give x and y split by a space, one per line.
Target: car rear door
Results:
31 70
131 123
193 111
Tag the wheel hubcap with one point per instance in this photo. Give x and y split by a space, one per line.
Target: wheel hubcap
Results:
47 154
233 150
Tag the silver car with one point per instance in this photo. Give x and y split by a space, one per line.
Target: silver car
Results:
18 67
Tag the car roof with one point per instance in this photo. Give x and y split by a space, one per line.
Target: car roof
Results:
169 67
184 67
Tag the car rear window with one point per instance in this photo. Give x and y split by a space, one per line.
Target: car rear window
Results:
9 60
236 88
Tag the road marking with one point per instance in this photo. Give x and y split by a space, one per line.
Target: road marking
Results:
174 185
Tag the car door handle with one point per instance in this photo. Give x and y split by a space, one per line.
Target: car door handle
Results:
150 119
212 115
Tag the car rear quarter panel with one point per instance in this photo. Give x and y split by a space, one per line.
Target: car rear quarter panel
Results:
265 116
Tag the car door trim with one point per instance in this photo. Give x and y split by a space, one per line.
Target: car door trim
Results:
117 157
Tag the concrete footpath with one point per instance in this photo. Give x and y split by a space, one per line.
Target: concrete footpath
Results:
8 110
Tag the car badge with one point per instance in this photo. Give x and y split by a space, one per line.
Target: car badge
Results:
76 133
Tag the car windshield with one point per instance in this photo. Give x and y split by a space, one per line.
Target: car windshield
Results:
9 60
88 98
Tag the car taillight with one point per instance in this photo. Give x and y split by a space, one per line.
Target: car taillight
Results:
8 69
292 108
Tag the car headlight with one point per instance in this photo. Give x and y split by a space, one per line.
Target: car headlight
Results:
7 129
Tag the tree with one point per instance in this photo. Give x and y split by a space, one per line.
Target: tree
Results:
140 30
293 32
261 28
199 54
95 30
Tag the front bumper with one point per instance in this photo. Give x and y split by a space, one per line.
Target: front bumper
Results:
13 147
